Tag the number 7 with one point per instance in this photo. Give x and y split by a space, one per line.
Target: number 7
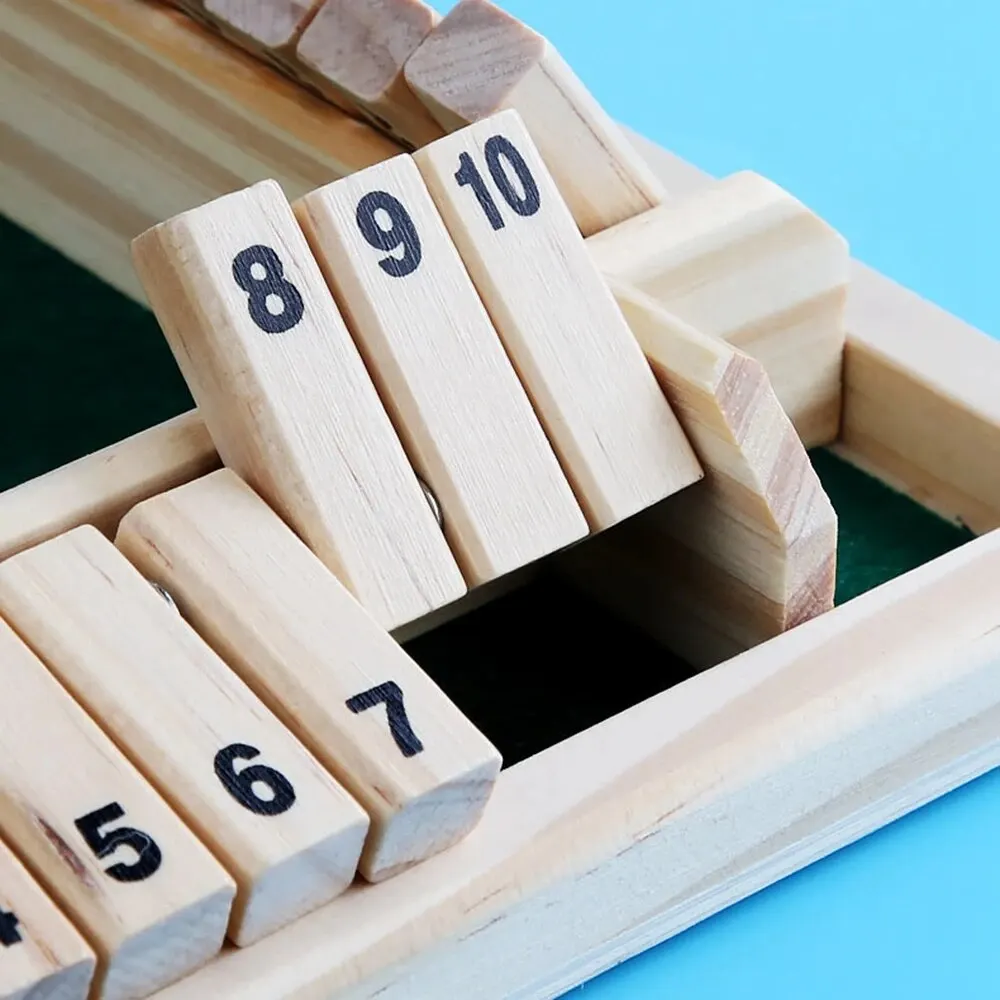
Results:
399 724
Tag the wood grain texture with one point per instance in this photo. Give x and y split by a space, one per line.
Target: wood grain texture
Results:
354 52
742 260
921 401
752 548
153 916
288 401
313 654
456 402
42 955
618 440
480 60
99 488
263 24
128 113
675 808
174 707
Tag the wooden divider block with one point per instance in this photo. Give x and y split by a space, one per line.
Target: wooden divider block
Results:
353 52
287 399
42 955
752 548
619 442
338 680
480 60
149 897
744 261
464 417
287 832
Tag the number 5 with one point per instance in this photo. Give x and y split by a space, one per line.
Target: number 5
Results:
106 842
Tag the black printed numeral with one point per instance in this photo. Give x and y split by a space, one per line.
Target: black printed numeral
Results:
400 234
247 784
9 933
391 696
502 156
105 842
275 304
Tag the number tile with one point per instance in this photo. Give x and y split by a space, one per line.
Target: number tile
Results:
354 52
287 400
286 831
149 897
480 60
42 955
463 415
324 666
620 443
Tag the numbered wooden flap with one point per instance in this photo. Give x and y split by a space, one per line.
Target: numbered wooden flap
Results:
42 955
354 52
381 725
480 60
619 441
457 403
149 897
287 398
286 830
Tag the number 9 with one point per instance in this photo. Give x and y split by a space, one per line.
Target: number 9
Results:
401 233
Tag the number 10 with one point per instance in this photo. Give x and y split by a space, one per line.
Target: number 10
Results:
500 153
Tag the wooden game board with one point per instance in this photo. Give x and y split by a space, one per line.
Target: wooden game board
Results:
634 829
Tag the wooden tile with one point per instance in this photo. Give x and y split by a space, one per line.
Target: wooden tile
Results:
42 955
354 51
149 897
744 261
287 832
619 442
262 24
287 399
752 548
480 60
374 718
464 417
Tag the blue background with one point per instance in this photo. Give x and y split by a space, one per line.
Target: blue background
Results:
881 115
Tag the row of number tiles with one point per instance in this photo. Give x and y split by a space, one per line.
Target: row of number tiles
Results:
175 772
433 318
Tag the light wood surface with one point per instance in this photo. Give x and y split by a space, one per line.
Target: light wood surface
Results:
99 488
675 808
354 52
149 897
42 955
752 548
742 260
616 436
466 422
480 60
921 401
291 837
127 113
261 24
374 718
288 401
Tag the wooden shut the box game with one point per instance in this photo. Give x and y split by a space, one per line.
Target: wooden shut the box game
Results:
477 629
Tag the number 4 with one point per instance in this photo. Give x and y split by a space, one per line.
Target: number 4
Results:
399 724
